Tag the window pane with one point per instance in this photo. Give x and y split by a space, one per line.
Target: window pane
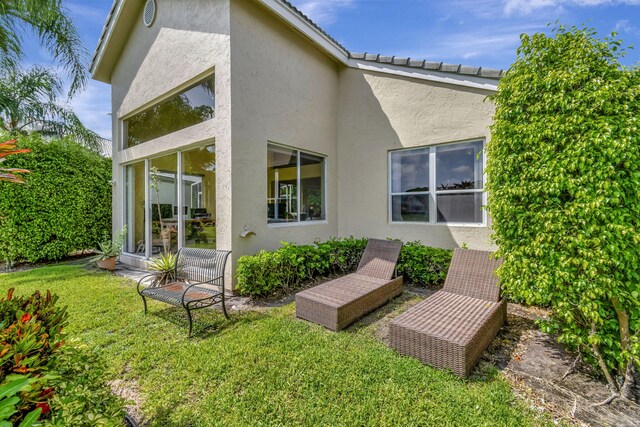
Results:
193 106
163 204
199 197
410 171
282 187
135 208
460 207
311 187
414 207
459 166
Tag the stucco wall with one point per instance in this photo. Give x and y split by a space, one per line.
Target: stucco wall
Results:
380 112
188 41
283 91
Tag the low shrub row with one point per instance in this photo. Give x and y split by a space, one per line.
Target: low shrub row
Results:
43 379
291 266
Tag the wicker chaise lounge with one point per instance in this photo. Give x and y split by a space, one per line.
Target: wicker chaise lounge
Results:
340 302
452 328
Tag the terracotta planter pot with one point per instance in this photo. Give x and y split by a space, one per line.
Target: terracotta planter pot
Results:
107 264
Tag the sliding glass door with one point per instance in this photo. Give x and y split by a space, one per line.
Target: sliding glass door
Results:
156 221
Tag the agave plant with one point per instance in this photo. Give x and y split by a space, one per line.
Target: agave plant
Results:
164 267
6 149
110 248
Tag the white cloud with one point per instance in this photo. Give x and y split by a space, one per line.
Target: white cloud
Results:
624 26
525 7
464 45
322 12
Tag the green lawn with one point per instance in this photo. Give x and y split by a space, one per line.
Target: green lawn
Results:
264 368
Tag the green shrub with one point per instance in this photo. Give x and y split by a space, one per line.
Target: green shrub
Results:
291 266
423 265
82 396
342 255
58 382
65 205
563 178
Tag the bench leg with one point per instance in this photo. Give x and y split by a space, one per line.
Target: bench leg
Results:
224 309
144 302
190 321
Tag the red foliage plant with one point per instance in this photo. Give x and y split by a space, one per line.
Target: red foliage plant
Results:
30 334
8 148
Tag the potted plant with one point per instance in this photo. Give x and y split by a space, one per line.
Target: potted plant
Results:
109 250
163 267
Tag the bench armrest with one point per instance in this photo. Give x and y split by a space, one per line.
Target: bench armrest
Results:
191 285
145 278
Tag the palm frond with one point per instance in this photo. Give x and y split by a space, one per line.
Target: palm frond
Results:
29 103
51 22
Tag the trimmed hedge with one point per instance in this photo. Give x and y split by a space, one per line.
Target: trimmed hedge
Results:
291 266
65 205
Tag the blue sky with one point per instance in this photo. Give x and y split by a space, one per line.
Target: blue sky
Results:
472 32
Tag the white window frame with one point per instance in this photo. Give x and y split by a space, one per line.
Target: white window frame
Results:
433 192
297 222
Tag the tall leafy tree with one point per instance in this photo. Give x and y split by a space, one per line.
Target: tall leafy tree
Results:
563 180
31 103
49 20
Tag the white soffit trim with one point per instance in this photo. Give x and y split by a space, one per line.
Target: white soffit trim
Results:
434 76
107 31
302 25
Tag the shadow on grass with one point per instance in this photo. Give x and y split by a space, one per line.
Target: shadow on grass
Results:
206 321
495 359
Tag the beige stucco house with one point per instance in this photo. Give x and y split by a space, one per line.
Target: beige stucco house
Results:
235 117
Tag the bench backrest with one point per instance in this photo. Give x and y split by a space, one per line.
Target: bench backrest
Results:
379 258
201 265
473 273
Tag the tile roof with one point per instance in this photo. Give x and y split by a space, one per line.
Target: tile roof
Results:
491 73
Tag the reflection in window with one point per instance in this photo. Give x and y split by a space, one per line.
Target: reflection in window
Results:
410 185
194 105
163 204
459 166
454 197
410 171
462 207
135 208
311 187
412 207
199 197
295 185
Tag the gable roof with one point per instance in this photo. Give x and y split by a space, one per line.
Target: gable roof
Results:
458 74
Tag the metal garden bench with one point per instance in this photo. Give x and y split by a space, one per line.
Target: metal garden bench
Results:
197 282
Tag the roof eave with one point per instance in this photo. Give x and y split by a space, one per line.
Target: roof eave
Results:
285 11
114 34
470 81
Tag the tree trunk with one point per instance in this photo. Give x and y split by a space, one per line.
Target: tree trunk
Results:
626 390
603 366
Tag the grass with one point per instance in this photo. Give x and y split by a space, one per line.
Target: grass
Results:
262 368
